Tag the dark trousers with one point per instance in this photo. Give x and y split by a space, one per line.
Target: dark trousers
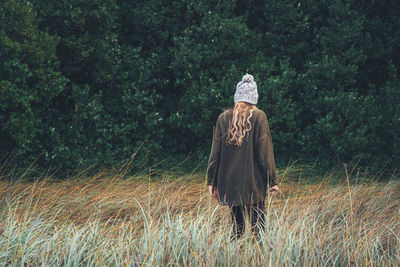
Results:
255 213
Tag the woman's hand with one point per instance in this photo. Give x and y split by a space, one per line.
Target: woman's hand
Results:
213 191
273 190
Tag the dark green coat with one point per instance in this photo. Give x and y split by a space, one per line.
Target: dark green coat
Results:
241 174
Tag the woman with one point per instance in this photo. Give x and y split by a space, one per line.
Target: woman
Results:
241 162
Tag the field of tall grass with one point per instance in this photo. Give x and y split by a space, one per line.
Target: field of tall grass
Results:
340 219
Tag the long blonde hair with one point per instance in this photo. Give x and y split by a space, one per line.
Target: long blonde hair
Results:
239 125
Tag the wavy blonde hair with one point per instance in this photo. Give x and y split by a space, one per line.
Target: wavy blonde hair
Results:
239 125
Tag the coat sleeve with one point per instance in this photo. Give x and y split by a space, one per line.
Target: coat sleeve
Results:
265 152
213 161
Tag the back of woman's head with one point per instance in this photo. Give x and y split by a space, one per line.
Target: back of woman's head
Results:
245 98
239 123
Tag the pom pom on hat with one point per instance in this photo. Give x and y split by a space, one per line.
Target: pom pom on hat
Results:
248 78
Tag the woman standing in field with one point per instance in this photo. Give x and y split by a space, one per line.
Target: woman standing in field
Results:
241 162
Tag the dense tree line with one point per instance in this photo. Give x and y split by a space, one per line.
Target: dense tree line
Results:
90 81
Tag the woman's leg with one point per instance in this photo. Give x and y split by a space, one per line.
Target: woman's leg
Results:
257 217
237 213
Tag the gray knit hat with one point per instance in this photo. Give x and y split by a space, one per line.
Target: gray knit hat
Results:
246 90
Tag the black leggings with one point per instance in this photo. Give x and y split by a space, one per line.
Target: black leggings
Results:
257 217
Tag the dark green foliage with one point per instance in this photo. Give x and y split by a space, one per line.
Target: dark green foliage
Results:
30 78
90 81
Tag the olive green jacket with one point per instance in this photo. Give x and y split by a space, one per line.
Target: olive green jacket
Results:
241 174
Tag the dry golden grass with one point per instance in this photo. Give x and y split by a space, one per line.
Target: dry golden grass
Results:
324 222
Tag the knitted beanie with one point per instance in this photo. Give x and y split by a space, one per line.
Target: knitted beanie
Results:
246 90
